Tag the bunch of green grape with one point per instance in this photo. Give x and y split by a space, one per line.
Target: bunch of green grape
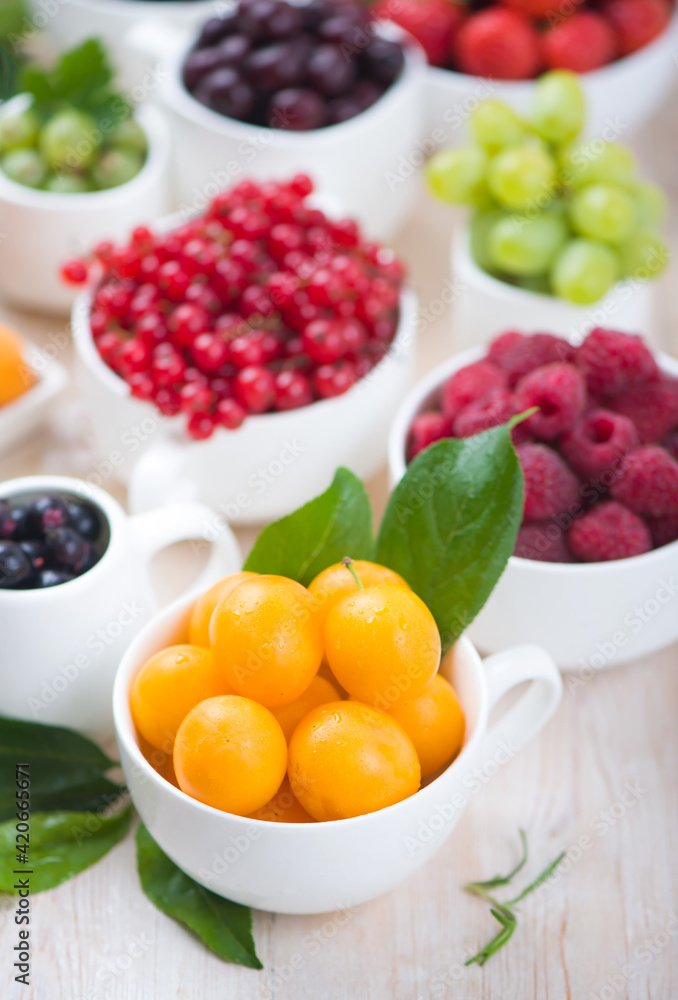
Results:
553 213
69 153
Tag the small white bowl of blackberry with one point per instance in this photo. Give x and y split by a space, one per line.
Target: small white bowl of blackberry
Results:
275 88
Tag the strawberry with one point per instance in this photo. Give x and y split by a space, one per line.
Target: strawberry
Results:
637 22
581 43
432 22
498 43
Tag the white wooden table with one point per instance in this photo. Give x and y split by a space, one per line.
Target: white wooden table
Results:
600 781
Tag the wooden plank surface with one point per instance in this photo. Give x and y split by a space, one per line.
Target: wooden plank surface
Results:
601 782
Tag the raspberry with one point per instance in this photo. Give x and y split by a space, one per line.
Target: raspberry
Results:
597 441
653 409
425 430
517 354
550 486
544 541
613 362
608 531
664 530
494 409
498 43
637 22
432 22
559 392
649 482
469 385
581 43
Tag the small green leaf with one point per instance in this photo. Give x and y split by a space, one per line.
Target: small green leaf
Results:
60 845
7 74
34 81
66 770
224 926
338 523
82 70
451 525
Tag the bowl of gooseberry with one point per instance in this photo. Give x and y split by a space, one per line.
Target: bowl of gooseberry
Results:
563 231
591 578
275 88
621 50
43 227
271 783
254 347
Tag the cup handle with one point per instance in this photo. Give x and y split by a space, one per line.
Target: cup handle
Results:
157 477
179 522
520 723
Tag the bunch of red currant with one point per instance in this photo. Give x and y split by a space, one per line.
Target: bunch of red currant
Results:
260 304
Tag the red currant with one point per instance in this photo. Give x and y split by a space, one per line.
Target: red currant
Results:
254 388
334 380
74 272
229 413
187 322
209 352
200 426
292 389
323 341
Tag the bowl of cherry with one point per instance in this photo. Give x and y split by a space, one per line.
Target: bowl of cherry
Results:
592 577
273 88
240 357
48 539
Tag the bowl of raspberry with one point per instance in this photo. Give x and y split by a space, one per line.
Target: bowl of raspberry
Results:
622 50
272 88
242 356
593 577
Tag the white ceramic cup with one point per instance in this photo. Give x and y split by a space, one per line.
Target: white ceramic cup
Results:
484 305
266 468
587 616
318 867
61 645
368 165
42 229
619 98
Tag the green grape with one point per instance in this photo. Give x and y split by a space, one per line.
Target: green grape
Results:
482 224
453 175
603 212
115 167
25 166
584 271
539 284
651 203
558 106
522 177
19 131
128 135
70 140
644 255
494 125
607 162
68 184
525 247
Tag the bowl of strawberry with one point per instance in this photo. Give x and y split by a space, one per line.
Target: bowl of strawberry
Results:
621 48
241 356
592 576
272 88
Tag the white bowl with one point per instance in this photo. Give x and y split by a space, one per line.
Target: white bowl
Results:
23 416
266 468
355 164
72 21
483 305
587 616
42 229
619 97
318 867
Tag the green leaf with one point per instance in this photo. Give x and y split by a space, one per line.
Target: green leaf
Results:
451 525
338 523
7 74
224 926
34 81
82 70
61 845
66 770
